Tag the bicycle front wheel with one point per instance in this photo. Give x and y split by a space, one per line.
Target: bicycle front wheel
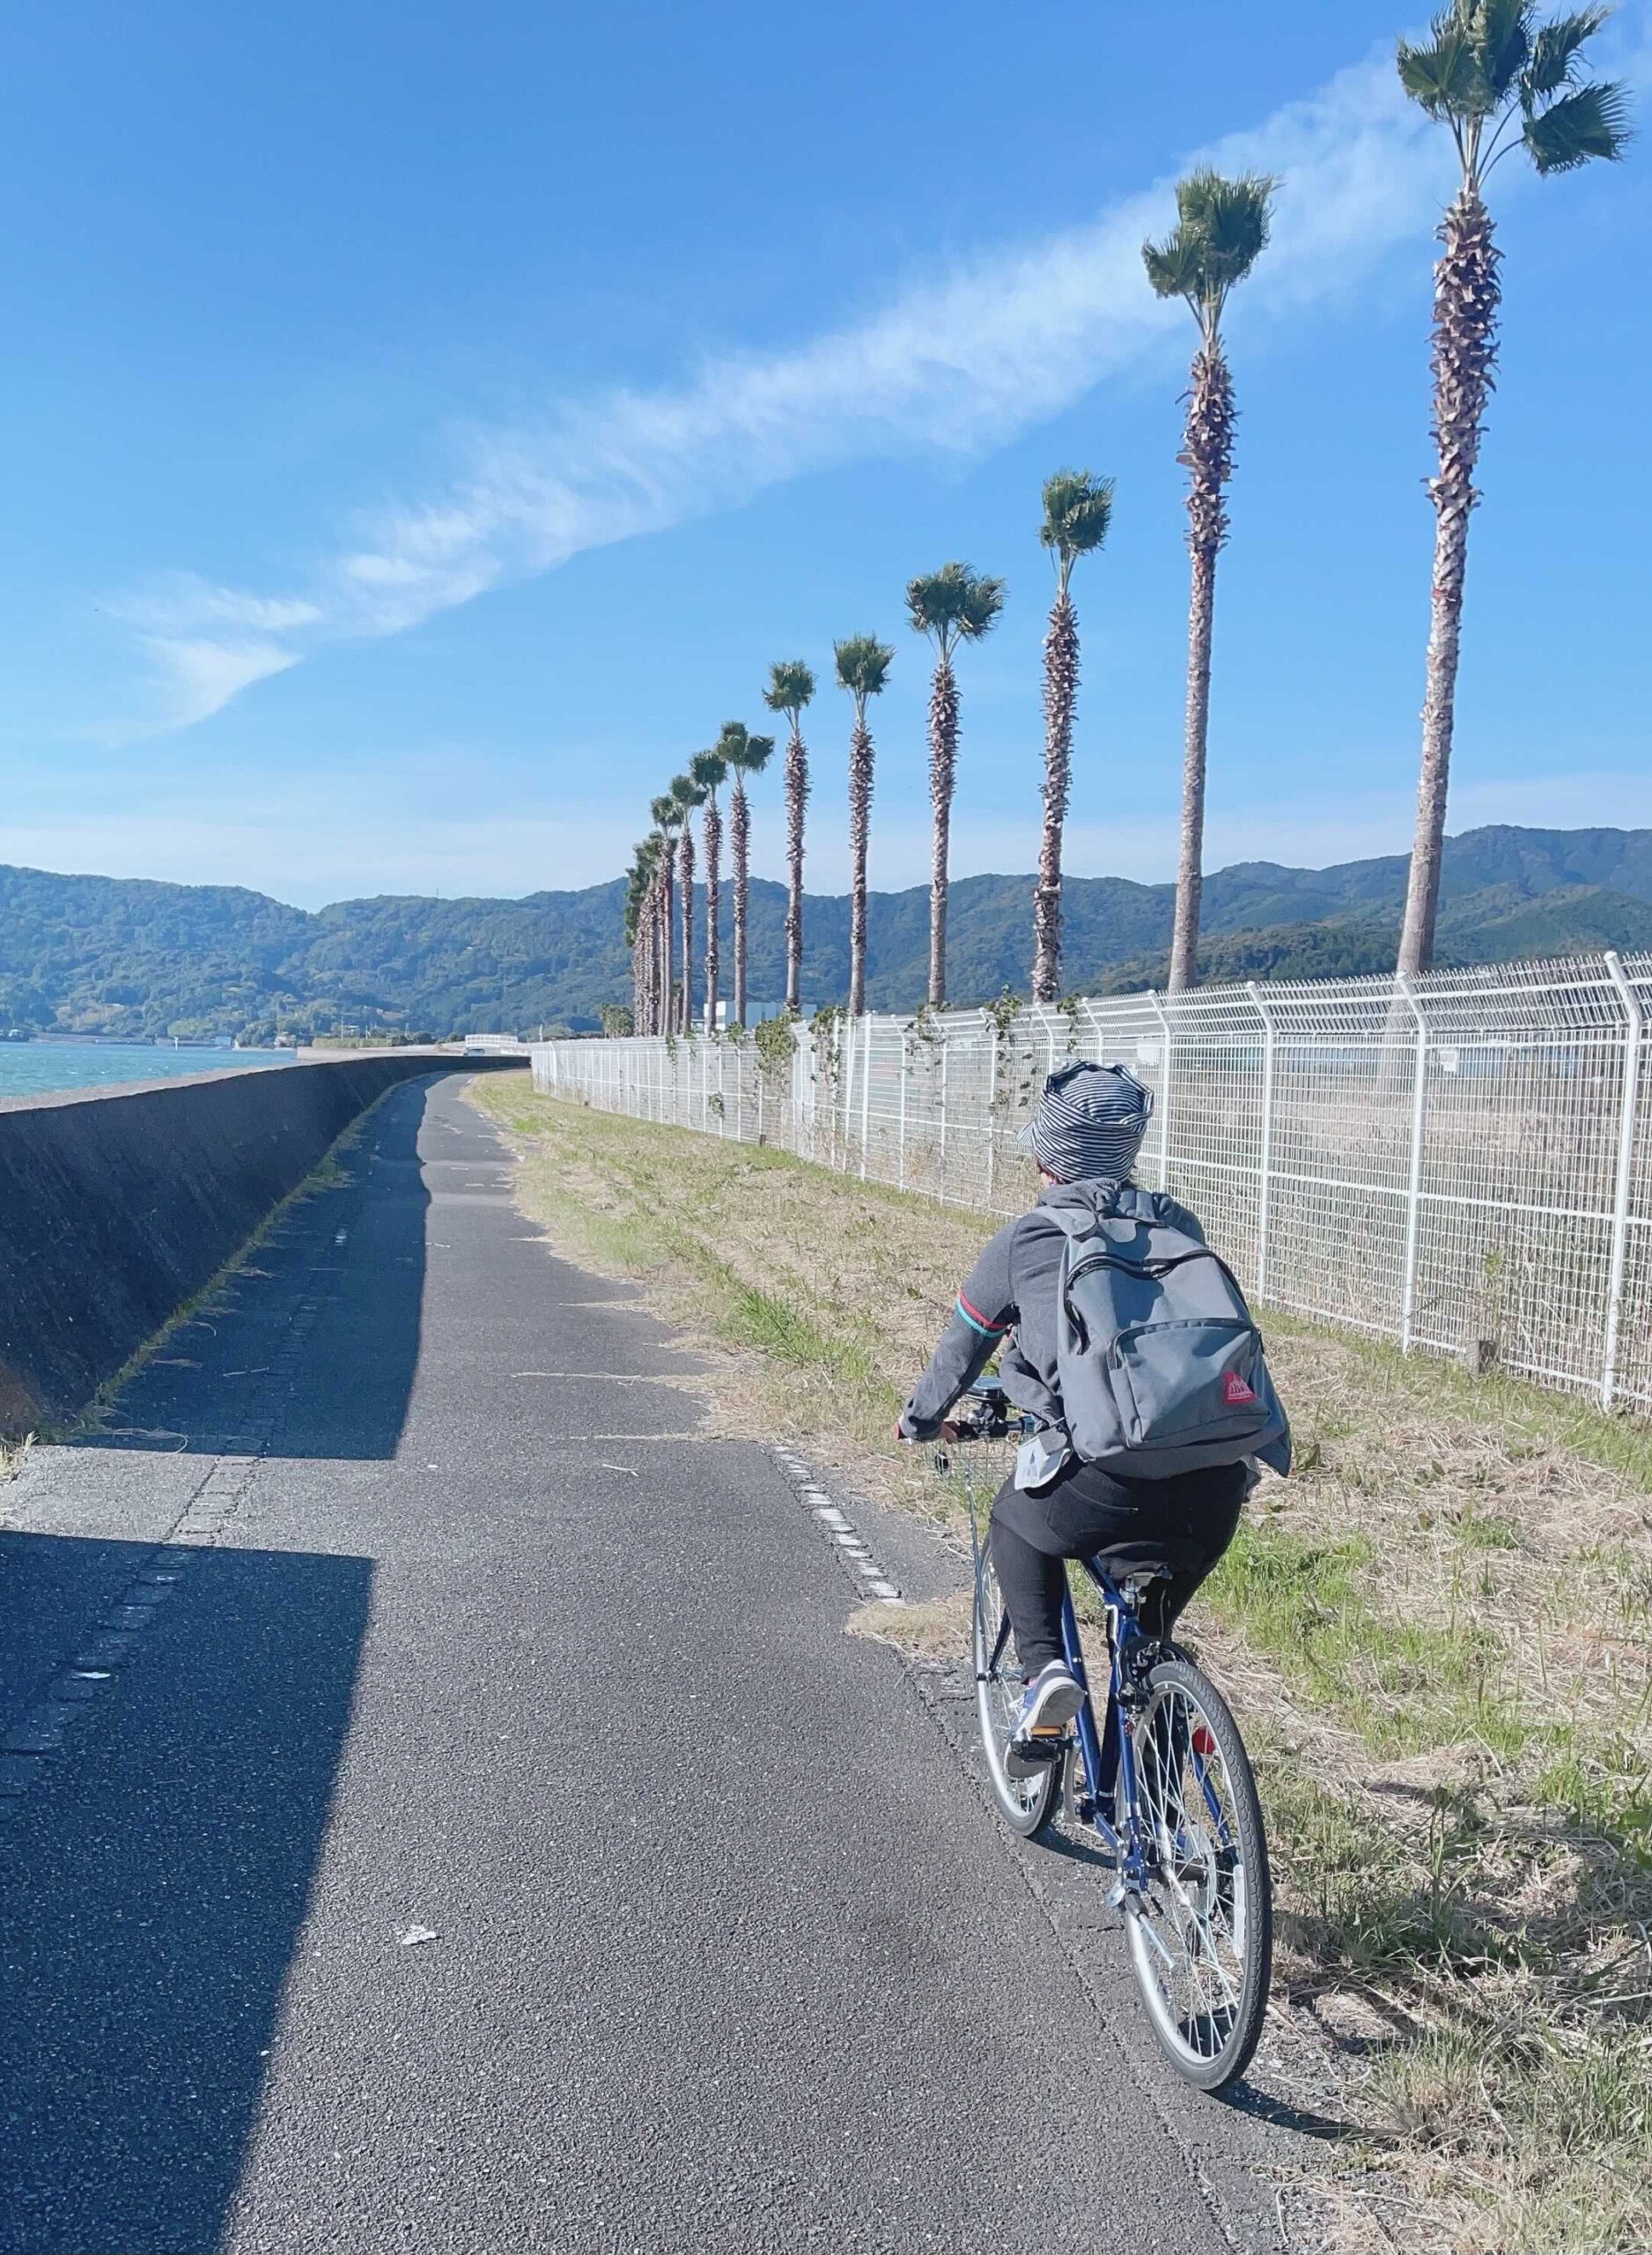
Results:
1025 1804
1201 1932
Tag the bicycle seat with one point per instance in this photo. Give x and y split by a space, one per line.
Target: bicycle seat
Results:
1157 1558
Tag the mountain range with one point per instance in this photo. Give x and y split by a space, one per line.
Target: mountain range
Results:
127 956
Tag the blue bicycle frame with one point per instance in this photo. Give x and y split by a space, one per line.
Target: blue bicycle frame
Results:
1108 1755
1108 1801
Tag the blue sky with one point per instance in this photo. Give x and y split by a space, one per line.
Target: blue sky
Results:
423 426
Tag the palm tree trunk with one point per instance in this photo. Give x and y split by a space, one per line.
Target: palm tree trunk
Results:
667 1001
860 830
739 850
796 800
685 886
1207 457
662 948
1061 689
943 769
713 899
1465 298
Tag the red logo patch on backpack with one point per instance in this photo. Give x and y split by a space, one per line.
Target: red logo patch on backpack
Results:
1234 1390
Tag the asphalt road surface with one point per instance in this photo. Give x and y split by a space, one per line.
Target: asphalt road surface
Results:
442 1811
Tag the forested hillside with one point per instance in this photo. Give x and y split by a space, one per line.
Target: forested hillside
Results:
127 957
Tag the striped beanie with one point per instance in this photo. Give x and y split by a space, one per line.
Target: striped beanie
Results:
1089 1123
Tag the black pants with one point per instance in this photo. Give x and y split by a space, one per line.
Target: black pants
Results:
1189 1521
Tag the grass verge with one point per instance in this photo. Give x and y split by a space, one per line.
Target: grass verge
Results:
1439 1633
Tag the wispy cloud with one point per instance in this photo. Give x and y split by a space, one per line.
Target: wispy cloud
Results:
958 365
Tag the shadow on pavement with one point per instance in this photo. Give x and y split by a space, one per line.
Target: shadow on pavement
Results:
152 1885
309 1351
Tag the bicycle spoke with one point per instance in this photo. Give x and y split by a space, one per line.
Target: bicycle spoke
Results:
1196 1950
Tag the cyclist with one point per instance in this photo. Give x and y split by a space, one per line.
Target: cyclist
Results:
1087 1126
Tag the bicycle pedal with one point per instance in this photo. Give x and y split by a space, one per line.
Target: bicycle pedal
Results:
1039 1747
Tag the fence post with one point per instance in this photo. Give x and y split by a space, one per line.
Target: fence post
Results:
1164 1089
941 1164
992 1112
1635 1018
866 1097
1264 1160
848 1079
1413 1188
900 1165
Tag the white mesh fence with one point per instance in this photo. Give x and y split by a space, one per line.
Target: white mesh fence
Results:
1463 1162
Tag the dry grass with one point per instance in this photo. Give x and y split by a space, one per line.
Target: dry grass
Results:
1438 1633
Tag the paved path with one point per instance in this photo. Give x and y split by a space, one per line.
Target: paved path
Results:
472 1632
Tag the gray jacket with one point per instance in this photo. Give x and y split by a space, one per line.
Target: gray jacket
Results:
1008 1305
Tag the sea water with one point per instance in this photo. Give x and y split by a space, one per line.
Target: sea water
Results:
46 1067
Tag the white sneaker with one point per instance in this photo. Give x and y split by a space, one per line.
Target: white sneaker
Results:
1050 1701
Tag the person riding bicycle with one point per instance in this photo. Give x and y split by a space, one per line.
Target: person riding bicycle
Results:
1085 1132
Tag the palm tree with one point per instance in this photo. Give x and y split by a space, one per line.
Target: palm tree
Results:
862 667
950 606
687 794
747 755
666 814
1498 80
641 916
659 863
636 893
791 687
1078 510
710 769
1221 228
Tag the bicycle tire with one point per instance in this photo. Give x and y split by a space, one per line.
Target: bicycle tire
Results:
1025 1804
1213 2050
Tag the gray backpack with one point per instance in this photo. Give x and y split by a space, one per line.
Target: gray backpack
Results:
1161 1367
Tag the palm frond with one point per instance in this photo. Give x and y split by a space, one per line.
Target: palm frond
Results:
1592 120
756 752
863 664
687 793
1502 37
709 769
1078 512
935 600
1446 79
790 686
666 811
1230 216
1173 266
982 605
1222 232
957 602
1556 47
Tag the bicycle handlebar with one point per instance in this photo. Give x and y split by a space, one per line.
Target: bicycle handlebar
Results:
996 1421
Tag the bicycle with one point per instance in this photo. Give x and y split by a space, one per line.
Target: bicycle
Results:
1163 1782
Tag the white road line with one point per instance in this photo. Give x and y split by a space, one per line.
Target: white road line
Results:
840 1531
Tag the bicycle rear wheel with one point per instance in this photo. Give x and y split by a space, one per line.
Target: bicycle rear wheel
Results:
1201 1934
1025 1804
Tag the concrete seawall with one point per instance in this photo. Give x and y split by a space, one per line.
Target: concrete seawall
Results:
117 1206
